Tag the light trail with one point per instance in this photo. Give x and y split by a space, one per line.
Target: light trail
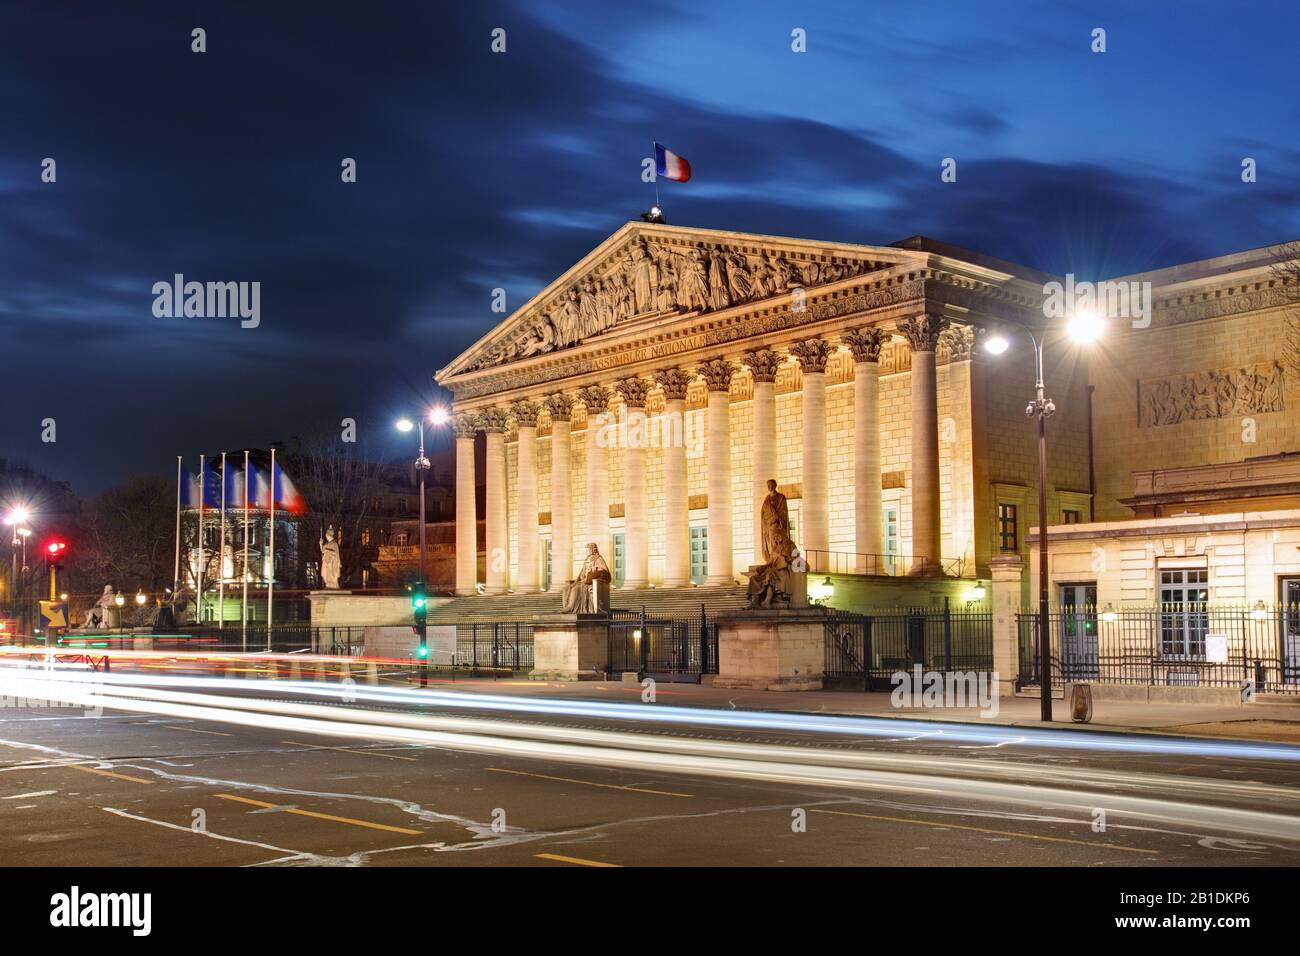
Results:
769 721
1079 789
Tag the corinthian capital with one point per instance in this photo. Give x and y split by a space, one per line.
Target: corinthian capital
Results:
763 364
464 425
525 413
866 343
493 420
674 382
922 331
595 397
812 354
717 374
560 406
633 391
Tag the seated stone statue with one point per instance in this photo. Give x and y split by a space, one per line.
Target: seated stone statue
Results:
579 595
772 584
97 616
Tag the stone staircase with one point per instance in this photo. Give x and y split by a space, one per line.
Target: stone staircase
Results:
658 602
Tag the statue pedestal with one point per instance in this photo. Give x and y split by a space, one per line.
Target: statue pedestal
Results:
570 646
780 649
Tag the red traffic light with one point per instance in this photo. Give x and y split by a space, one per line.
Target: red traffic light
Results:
56 548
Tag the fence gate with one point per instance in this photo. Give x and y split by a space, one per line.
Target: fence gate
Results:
666 649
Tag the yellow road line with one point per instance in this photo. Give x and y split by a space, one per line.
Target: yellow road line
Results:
345 750
319 816
1010 833
576 860
588 783
106 773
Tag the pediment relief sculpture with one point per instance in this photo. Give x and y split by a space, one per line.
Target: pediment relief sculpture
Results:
648 278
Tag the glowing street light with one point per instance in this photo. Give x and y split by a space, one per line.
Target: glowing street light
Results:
1083 326
140 598
437 416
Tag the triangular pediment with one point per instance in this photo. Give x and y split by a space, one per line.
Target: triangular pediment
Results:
647 272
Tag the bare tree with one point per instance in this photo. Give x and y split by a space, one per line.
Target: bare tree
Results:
127 536
1286 269
340 484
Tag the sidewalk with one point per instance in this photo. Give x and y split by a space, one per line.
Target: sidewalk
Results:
1259 721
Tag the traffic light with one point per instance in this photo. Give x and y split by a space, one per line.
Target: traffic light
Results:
56 552
419 610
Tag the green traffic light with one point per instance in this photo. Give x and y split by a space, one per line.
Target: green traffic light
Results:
423 651
418 600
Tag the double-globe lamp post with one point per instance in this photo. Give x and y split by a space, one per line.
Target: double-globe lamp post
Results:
17 519
1083 326
437 417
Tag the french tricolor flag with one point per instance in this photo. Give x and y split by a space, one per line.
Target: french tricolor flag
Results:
671 166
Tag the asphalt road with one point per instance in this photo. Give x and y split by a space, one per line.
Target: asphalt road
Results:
390 783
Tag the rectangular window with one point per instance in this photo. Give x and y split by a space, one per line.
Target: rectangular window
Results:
890 527
1008 528
1070 516
620 559
546 564
1184 599
699 539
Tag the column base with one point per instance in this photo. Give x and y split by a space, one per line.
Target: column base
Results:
570 647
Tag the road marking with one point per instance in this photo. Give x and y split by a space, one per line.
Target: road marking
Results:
576 860
195 730
1010 833
362 753
589 783
319 816
106 773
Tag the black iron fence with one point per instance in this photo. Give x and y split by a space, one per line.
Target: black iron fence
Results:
674 649
869 648
498 645
1172 645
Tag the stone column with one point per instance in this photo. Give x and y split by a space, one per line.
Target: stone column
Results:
561 408
717 375
672 437
812 355
922 332
1006 570
868 537
636 539
493 423
596 398
526 487
762 365
464 426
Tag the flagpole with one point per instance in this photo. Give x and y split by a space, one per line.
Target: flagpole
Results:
221 553
654 153
270 584
198 603
243 604
176 564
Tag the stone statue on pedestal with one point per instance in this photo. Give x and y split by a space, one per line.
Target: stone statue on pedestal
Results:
584 594
771 584
331 564
97 616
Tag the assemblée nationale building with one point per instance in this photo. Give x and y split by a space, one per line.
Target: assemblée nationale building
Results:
642 400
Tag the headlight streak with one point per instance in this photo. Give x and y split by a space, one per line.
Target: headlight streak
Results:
731 760
957 733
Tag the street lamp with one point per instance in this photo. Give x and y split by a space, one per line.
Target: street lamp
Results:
16 519
1082 326
437 416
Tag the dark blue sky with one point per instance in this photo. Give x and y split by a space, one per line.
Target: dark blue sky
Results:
479 170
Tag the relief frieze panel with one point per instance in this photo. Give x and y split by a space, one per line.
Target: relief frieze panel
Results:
1220 393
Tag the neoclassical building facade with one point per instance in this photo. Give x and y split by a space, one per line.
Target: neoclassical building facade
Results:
643 399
